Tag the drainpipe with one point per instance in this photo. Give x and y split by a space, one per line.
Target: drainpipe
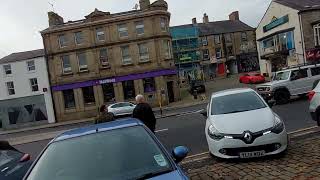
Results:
302 39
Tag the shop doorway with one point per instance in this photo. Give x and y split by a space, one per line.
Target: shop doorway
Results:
170 91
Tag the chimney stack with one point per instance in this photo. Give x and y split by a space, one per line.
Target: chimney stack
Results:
54 19
234 16
194 21
205 18
144 4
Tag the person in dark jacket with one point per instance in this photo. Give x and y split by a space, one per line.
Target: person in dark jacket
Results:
144 113
104 115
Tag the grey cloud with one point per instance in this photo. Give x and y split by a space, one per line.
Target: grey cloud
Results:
23 19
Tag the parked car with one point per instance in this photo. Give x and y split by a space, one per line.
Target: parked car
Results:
121 108
13 163
290 82
314 98
240 124
197 85
123 149
252 78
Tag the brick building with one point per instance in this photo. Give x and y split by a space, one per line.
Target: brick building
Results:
110 57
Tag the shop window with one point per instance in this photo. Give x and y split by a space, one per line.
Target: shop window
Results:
316 29
108 92
88 95
315 71
100 34
149 85
69 101
128 90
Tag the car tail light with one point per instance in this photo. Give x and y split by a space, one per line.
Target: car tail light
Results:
25 158
311 94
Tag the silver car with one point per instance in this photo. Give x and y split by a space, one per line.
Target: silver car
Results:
121 108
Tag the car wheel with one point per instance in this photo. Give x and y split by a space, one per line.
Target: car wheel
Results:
282 96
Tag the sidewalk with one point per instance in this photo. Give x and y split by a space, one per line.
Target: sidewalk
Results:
301 162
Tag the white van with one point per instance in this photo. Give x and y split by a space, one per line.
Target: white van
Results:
290 82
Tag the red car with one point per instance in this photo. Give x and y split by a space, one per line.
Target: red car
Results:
252 78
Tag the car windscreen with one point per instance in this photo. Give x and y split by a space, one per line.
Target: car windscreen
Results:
282 76
235 103
127 153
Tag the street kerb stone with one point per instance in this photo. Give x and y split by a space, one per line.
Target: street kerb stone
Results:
294 165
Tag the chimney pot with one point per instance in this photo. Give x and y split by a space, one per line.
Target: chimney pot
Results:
205 18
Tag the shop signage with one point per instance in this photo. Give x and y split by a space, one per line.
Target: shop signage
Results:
313 55
275 23
106 81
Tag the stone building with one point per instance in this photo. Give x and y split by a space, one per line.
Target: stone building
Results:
227 44
110 57
288 34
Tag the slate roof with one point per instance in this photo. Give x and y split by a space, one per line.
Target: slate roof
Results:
218 27
300 5
20 56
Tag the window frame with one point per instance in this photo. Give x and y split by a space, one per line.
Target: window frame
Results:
220 52
34 84
244 36
143 56
217 39
151 81
316 32
29 67
73 98
64 71
125 87
229 39
82 68
204 41
123 30
167 49
163 24
76 38
100 30
5 71
139 25
65 41
104 61
10 89
84 97
206 52
126 58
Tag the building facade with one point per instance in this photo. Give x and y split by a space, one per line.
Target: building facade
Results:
186 53
108 58
25 95
227 44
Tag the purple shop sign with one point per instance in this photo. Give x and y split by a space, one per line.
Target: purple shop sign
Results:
115 79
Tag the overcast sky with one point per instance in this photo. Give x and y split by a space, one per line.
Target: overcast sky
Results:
21 20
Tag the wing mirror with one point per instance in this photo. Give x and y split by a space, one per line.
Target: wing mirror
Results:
179 153
204 112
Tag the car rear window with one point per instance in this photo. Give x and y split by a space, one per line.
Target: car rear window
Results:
235 103
126 153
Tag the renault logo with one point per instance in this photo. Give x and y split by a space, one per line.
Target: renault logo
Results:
247 137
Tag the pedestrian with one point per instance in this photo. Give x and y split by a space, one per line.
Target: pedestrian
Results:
104 115
144 113
228 72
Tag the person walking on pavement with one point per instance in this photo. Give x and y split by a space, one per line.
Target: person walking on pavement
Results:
104 115
144 113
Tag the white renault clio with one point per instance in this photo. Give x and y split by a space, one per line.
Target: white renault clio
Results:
240 124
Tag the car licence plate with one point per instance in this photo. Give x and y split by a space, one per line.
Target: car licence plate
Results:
252 154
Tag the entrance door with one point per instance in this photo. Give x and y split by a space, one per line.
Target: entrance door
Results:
170 91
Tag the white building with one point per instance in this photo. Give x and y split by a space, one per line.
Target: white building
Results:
279 37
25 96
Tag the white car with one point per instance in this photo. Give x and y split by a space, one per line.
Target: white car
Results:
240 124
290 82
314 98
121 109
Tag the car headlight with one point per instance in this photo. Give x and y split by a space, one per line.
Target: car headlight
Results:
214 134
279 126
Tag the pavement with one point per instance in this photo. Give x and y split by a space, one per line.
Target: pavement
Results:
302 161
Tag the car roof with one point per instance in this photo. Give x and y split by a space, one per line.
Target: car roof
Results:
231 91
299 67
118 124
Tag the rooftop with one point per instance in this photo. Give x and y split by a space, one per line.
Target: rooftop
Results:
300 5
21 56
